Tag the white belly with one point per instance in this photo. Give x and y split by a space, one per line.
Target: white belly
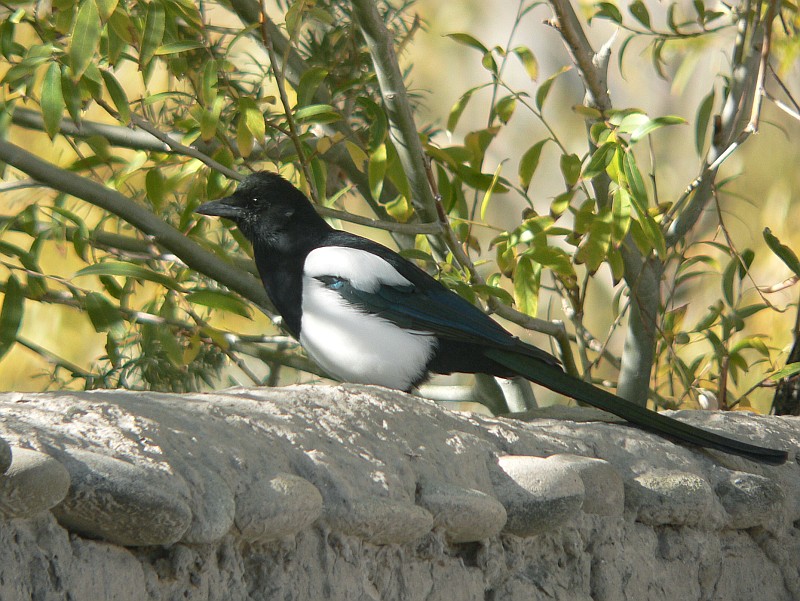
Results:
357 347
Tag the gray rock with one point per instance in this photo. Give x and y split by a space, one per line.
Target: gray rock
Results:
670 497
212 506
538 494
122 503
34 482
465 515
272 509
605 490
5 456
749 499
379 520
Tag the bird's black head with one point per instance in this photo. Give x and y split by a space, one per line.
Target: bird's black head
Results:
268 209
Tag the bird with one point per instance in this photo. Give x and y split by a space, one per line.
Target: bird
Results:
367 315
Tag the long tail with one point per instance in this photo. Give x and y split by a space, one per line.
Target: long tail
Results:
554 378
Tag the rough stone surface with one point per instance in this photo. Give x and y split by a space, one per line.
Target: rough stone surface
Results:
669 497
5 456
354 492
121 503
603 486
34 482
538 494
275 508
465 515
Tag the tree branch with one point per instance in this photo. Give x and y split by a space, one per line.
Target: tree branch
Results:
402 128
162 233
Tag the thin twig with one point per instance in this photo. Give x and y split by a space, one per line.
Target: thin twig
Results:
145 125
280 82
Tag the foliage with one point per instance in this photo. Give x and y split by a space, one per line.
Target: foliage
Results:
153 107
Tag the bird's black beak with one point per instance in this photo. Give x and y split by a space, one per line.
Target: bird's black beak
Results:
224 207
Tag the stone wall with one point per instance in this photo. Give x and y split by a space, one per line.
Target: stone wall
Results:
362 493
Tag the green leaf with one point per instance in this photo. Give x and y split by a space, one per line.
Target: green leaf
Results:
376 170
701 124
128 270
208 88
154 185
178 47
529 162
728 278
570 168
544 90
784 253
52 100
253 118
640 13
317 113
468 40
527 278
505 108
118 96
621 212
635 181
103 314
488 195
600 159
528 61
218 299
791 369
106 8
376 117
654 124
595 245
71 94
155 24
458 109
309 84
85 37
11 314
608 11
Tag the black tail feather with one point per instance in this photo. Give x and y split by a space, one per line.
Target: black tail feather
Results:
555 379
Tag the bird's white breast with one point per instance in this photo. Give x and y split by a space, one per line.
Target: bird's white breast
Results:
350 344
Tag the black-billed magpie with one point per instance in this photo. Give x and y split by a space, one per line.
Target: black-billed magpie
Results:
367 315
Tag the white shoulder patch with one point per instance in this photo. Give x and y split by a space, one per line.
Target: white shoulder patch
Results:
364 270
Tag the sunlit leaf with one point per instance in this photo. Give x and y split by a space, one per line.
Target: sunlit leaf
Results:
11 314
505 108
599 160
468 40
785 254
570 168
218 299
52 100
701 124
128 270
654 124
153 33
458 108
528 61
177 47
103 314
544 90
529 162
376 170
488 195
118 96
85 37
791 369
640 13
527 277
